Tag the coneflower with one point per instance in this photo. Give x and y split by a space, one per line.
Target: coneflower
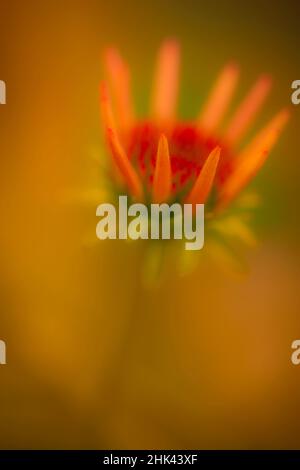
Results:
163 159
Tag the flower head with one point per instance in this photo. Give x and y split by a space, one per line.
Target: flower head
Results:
165 159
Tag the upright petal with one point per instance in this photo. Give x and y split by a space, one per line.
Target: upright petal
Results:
128 172
252 158
162 181
247 111
108 122
119 77
203 184
105 107
166 82
219 99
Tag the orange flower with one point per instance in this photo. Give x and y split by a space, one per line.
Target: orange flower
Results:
164 159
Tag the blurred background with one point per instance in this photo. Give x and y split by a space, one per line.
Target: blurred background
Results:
95 359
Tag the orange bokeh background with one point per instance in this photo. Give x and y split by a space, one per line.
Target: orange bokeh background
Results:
96 360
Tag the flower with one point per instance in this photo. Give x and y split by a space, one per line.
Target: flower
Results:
164 159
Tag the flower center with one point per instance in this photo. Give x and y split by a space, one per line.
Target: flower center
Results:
188 148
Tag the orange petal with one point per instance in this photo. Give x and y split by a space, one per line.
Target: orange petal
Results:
203 184
119 76
128 172
166 82
219 98
252 158
246 112
162 181
105 107
108 121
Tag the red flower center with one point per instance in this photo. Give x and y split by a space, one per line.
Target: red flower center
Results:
188 151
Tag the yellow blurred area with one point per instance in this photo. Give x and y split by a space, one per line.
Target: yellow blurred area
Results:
94 358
